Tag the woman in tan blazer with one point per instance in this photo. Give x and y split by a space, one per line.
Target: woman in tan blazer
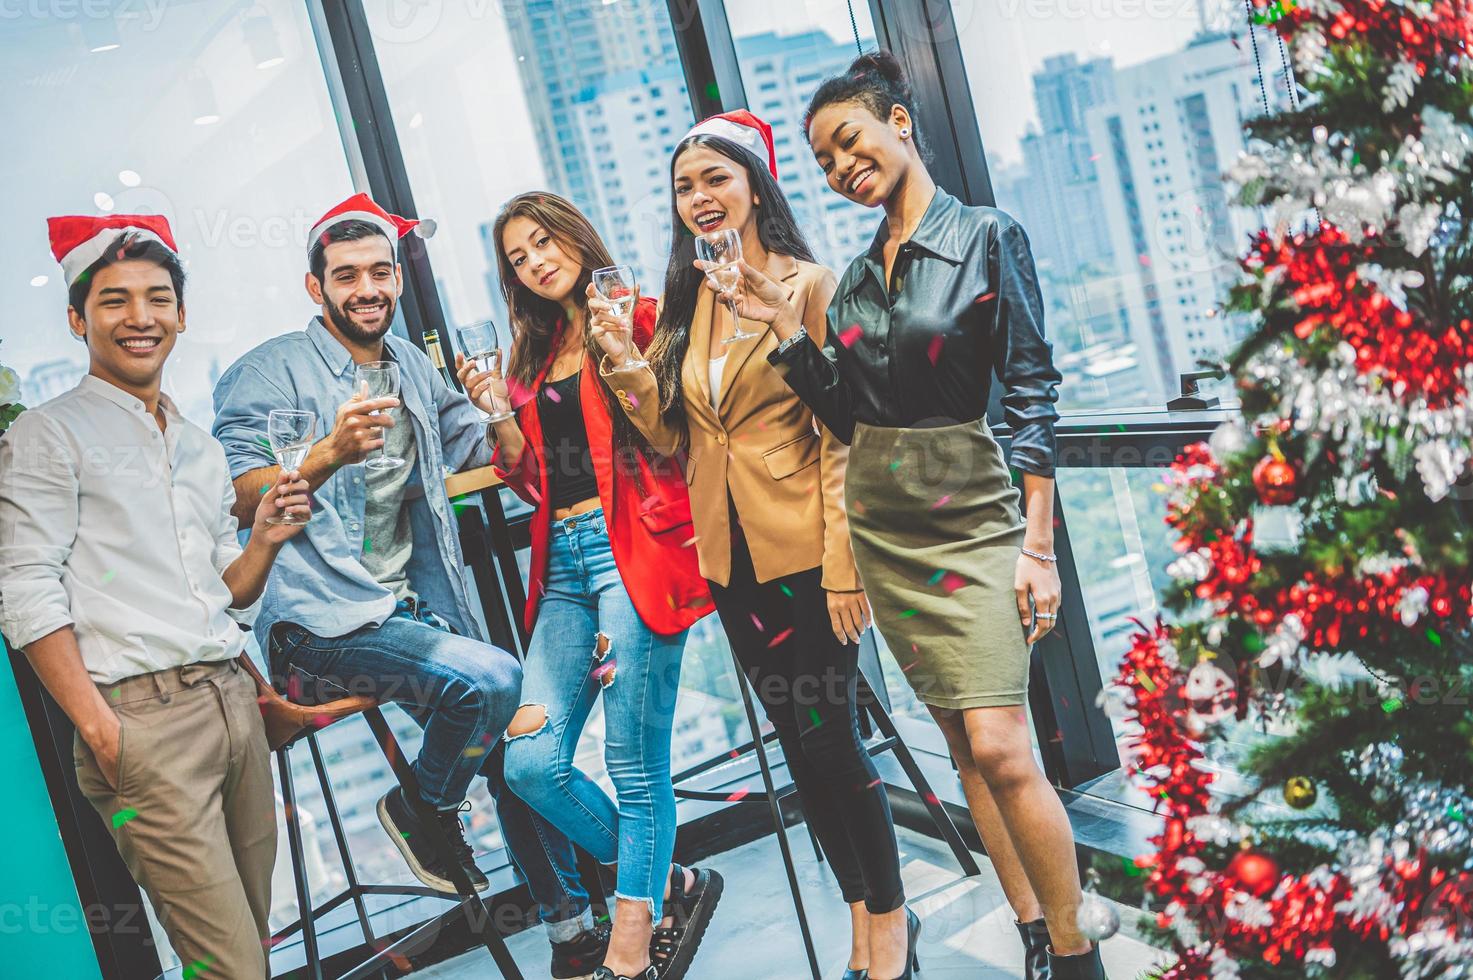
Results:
767 500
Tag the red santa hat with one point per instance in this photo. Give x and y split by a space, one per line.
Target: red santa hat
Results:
741 126
78 240
361 207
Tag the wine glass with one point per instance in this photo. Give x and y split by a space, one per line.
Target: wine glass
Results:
379 379
480 344
616 285
722 253
290 433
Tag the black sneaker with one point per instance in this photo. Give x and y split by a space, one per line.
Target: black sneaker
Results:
413 838
580 956
673 947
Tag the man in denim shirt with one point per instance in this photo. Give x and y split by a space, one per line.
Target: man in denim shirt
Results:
349 608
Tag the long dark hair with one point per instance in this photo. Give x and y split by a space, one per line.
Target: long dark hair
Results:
876 81
778 231
534 318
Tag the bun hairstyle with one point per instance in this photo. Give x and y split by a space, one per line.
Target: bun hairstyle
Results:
875 81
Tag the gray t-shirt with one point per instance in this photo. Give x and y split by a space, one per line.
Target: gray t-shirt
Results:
387 537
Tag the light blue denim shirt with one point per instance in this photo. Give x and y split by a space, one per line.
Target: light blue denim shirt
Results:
319 582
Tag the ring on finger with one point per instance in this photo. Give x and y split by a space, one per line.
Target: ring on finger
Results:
1048 615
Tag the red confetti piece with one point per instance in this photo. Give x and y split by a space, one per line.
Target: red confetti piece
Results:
779 638
758 623
738 796
552 394
850 334
942 501
933 350
985 297
951 581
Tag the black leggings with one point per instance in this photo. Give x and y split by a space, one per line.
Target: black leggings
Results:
806 681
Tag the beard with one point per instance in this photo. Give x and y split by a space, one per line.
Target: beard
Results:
340 318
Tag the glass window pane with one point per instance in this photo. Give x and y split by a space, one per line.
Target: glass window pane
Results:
786 48
1108 130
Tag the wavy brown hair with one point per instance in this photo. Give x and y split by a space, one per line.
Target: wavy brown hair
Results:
535 320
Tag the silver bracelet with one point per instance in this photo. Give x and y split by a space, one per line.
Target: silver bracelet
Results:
798 336
1039 555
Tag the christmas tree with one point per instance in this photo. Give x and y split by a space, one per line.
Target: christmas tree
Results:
1321 591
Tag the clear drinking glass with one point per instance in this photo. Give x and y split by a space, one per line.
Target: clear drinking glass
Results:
290 433
722 252
617 286
480 344
379 379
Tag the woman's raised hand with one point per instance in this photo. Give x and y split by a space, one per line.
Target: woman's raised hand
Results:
762 298
613 334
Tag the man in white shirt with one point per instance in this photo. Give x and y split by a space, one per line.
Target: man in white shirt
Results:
124 582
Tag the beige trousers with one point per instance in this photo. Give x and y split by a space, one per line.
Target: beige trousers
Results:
193 811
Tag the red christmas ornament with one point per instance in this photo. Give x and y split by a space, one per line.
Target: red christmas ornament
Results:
1276 480
1254 872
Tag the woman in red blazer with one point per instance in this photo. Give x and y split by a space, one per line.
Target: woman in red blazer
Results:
614 587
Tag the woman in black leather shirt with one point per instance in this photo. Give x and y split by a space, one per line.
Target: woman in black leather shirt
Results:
960 582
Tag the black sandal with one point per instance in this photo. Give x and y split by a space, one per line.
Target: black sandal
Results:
604 973
672 948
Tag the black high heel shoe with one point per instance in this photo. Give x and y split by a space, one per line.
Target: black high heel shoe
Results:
912 938
1035 949
856 974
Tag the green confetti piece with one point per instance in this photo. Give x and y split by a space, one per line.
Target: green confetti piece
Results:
264 488
813 716
108 575
940 574
461 508
1434 638
713 92
786 591
123 816
1455 812
1390 705
367 545
264 441
1253 643
1146 681
198 967
895 466
909 613
1131 868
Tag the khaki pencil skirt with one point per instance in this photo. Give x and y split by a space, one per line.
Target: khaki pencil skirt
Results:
936 530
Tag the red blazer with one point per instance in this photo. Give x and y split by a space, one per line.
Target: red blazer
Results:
647 509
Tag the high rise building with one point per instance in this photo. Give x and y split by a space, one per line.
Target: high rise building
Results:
51 378
1164 144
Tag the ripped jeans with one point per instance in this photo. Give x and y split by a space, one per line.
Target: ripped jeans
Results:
589 640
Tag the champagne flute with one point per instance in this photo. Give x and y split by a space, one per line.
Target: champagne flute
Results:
379 379
480 344
616 286
722 253
290 433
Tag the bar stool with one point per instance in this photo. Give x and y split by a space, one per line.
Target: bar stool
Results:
890 741
289 723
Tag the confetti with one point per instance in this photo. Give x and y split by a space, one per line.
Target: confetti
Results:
894 465
473 752
1145 680
779 638
952 582
552 394
198 967
909 613
123 816
850 334
786 591
813 717
933 350
107 576
367 545
738 796
873 783
1131 868
264 488
985 297
758 623
940 572
633 401
942 501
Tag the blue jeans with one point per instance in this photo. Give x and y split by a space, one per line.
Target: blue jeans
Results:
462 693
589 640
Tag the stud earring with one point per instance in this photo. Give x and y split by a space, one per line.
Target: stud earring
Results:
905 132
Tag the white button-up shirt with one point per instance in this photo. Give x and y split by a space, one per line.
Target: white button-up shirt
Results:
120 530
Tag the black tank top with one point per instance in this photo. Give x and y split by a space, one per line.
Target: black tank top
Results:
570 475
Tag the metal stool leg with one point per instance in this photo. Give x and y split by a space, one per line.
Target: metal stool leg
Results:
777 820
342 839
299 866
476 912
944 826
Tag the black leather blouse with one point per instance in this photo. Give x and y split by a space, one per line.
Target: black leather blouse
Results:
963 302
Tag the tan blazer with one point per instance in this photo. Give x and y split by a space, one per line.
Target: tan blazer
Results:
762 445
